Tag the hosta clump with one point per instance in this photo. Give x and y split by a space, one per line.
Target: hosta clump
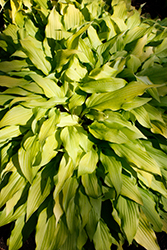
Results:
83 125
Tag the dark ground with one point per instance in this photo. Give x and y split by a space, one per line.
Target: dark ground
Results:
155 8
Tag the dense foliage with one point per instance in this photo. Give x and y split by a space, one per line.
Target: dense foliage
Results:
83 124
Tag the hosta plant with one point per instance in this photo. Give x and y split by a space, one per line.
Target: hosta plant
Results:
83 124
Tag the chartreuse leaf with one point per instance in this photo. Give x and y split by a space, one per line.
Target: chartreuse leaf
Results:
85 208
72 17
145 236
149 209
87 55
106 72
90 183
17 115
134 33
67 120
117 98
54 29
70 140
15 65
130 189
93 37
34 51
69 191
72 42
161 50
40 189
9 132
134 20
13 201
75 70
136 155
103 85
16 238
133 63
142 116
113 169
49 86
88 163
102 237
66 169
49 126
103 132
27 155
60 236
128 212
114 129
45 229
16 182
10 82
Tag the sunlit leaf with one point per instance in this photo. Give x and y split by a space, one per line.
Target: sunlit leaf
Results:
145 236
128 212
113 167
102 237
88 163
33 50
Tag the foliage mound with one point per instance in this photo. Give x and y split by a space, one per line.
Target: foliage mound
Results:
83 124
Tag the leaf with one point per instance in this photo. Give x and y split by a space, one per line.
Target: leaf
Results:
69 191
12 216
72 17
114 128
114 99
75 71
156 73
49 86
90 183
49 150
72 217
130 189
67 120
87 55
142 116
101 131
27 155
93 36
65 171
34 51
136 155
16 238
145 236
128 212
161 50
70 141
113 168
54 28
102 237
45 230
15 183
134 33
48 127
15 65
10 82
9 132
103 85
40 189
85 208
149 209
106 72
88 163
133 63
72 42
